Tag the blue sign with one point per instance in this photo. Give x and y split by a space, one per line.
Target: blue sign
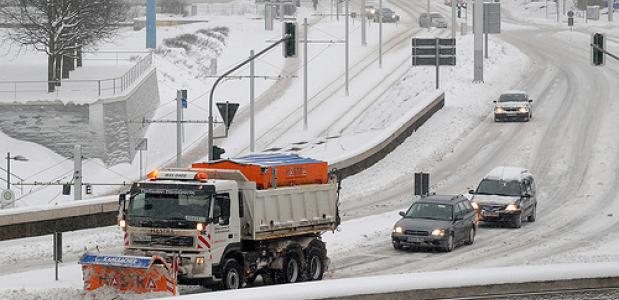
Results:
117 261
184 102
151 24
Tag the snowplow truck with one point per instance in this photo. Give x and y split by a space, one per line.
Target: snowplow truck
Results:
228 222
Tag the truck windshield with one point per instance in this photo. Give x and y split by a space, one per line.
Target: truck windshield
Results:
432 211
168 210
497 187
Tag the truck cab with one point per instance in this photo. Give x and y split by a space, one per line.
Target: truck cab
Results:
180 213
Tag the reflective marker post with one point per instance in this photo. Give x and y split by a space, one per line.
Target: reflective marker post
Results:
57 250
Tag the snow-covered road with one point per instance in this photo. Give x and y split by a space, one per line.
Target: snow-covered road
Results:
570 146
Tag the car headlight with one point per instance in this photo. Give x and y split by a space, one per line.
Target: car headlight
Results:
512 207
474 205
499 110
523 109
438 232
397 229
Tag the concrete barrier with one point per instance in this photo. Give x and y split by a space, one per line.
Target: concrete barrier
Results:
362 161
485 283
76 216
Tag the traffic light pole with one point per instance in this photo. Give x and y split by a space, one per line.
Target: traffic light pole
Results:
604 51
220 78
179 144
380 32
346 46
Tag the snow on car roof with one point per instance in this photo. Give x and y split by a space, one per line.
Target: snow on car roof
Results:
515 92
506 173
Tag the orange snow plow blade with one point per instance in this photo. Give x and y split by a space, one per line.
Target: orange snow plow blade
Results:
129 274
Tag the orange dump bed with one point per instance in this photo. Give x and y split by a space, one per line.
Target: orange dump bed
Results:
281 169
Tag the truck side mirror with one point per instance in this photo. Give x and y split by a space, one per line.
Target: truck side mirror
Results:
471 192
493 101
122 200
530 100
402 213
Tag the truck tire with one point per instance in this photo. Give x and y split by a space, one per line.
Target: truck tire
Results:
232 277
291 272
315 262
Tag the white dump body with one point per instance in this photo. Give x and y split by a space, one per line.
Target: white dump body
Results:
289 211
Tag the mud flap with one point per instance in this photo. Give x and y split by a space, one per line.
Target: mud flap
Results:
130 274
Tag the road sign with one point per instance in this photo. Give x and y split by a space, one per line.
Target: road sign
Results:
227 111
492 13
141 145
434 52
7 197
425 52
422 184
570 14
570 21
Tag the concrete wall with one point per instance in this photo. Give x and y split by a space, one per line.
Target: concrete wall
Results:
102 124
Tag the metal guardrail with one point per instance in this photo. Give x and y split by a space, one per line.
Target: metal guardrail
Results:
71 216
77 89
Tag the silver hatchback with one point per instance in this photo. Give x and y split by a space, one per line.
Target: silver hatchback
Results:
432 19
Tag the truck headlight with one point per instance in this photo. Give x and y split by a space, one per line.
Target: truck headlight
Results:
200 260
438 232
499 110
523 109
397 229
474 205
512 207
200 226
122 223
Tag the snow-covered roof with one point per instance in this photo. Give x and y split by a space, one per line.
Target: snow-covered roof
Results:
506 173
515 92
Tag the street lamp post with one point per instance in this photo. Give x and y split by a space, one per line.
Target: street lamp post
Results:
8 167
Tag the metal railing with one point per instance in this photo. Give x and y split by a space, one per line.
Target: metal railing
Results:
75 89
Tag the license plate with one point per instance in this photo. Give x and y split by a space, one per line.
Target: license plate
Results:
415 240
489 213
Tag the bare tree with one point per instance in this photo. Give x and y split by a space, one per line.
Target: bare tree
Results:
61 28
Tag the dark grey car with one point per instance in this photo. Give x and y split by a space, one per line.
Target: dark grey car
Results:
389 16
436 221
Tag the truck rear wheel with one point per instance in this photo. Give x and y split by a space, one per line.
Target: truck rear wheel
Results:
232 278
315 264
292 268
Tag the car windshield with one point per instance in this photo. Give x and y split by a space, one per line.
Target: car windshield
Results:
433 211
387 10
436 16
498 187
168 210
513 98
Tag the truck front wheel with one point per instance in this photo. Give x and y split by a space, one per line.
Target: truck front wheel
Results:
232 278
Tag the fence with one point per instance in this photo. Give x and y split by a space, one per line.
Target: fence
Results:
75 89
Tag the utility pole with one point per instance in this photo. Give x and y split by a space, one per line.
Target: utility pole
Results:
337 10
478 53
364 16
77 172
346 47
8 170
428 14
179 145
611 10
558 11
453 19
305 55
380 33
486 29
546 9
252 112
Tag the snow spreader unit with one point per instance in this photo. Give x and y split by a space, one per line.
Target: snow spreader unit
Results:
128 274
230 222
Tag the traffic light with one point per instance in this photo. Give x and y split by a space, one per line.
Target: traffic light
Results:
291 43
88 189
599 44
217 152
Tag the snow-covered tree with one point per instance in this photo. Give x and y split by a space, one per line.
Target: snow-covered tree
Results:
61 28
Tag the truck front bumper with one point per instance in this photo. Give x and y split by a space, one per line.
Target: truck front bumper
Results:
190 265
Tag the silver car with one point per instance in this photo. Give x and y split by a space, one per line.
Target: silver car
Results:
432 19
514 105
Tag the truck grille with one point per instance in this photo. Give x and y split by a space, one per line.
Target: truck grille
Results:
163 240
416 232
